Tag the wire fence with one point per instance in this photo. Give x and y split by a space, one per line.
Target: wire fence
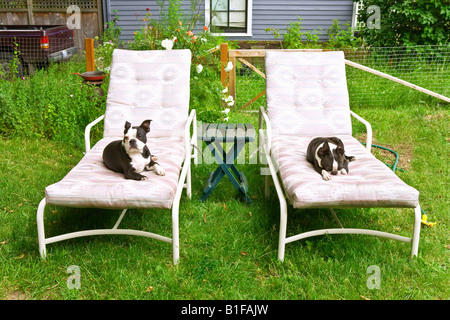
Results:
424 66
34 51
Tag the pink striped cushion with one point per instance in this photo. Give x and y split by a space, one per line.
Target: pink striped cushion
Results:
152 84
307 93
370 182
91 184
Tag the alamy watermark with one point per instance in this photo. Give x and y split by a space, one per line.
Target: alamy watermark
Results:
374 21
74 280
74 21
374 280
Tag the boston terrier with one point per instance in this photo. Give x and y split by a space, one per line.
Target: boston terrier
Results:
328 156
131 155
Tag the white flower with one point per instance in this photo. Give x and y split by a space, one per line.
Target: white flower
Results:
225 119
225 90
226 111
228 99
167 44
229 67
199 68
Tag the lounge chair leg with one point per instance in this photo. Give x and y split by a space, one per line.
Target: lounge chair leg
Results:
188 182
175 234
416 232
119 220
283 224
40 227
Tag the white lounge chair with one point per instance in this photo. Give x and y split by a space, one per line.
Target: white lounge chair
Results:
143 85
307 97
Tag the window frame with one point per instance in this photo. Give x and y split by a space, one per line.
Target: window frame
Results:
248 33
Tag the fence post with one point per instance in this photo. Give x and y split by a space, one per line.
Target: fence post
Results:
90 61
223 63
232 78
30 12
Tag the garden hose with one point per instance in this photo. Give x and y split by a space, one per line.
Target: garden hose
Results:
393 167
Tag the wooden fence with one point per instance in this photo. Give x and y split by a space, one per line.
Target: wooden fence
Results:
40 12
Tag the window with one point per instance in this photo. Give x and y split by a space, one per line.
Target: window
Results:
229 17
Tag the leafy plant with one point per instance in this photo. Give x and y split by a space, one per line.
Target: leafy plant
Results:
49 105
407 23
296 38
106 43
10 65
342 38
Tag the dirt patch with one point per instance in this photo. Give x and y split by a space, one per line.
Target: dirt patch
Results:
432 117
405 153
17 295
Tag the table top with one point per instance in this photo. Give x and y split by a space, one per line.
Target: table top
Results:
227 132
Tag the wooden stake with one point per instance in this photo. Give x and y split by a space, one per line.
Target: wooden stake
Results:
392 78
90 59
223 63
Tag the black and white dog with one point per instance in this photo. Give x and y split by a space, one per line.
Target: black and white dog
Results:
131 155
328 156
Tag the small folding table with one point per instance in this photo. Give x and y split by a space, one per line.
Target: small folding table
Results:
214 136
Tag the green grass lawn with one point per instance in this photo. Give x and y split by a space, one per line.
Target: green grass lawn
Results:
229 249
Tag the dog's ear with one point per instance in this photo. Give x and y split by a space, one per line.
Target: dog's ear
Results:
146 125
127 126
323 150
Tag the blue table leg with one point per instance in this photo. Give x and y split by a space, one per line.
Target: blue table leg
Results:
226 167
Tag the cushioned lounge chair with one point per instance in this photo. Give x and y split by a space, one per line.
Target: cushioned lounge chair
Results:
143 85
307 97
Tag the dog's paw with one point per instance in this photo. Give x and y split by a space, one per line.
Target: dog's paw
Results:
144 178
326 175
159 171
343 171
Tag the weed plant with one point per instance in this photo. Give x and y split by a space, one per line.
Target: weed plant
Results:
53 104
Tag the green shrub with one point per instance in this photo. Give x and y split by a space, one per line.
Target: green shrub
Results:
407 23
296 38
52 104
340 38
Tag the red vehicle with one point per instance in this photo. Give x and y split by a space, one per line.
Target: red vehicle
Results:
35 45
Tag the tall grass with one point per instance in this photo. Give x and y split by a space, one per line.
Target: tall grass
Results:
52 104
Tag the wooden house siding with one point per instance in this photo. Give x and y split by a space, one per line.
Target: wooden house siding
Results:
315 14
265 13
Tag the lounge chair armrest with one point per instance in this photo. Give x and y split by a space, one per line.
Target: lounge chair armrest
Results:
264 118
87 132
191 140
368 129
